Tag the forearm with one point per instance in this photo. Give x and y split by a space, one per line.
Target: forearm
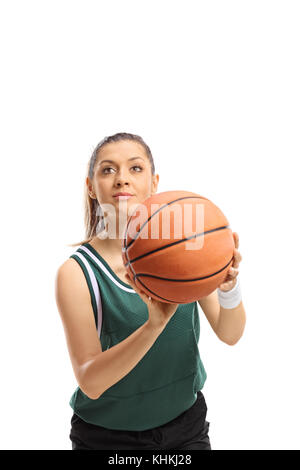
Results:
231 324
110 366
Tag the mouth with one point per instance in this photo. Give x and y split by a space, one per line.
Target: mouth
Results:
123 196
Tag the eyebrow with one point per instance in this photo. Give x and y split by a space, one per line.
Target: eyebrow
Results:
111 161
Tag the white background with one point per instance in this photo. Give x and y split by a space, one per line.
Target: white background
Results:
213 89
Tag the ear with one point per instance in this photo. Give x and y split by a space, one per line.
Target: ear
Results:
90 188
155 180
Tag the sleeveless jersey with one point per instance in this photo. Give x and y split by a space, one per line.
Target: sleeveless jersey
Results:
165 381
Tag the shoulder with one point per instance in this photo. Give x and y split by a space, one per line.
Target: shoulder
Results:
70 267
69 276
72 292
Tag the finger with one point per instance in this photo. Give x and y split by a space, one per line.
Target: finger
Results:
237 258
226 286
236 239
129 280
233 272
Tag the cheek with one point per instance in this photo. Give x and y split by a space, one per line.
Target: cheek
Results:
102 189
102 184
146 188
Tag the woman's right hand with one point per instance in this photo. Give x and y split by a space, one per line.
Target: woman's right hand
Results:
159 312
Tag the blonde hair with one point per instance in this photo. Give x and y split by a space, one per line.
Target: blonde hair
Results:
92 210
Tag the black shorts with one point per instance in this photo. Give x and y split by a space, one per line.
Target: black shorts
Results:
189 431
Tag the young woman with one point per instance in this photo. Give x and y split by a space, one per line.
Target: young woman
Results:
136 360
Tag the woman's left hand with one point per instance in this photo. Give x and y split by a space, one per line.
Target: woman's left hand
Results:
231 278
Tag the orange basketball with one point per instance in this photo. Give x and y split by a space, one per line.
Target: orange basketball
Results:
177 247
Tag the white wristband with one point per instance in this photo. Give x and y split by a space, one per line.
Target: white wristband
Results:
231 298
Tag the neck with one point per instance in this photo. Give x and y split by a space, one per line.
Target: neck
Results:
111 245
114 232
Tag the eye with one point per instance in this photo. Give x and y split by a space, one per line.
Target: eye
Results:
107 168
110 168
137 166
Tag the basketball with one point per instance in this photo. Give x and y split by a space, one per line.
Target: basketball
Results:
177 247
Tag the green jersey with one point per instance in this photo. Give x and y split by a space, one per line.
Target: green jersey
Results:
165 381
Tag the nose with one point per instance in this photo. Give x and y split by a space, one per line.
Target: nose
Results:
121 179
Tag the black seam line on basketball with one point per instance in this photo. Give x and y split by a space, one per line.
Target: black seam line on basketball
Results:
165 205
154 293
160 209
163 298
183 280
176 243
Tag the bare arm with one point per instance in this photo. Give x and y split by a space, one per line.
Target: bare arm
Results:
231 323
228 324
110 366
95 370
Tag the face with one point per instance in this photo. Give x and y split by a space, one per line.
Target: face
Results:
122 167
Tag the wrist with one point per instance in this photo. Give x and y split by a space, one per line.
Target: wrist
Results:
231 298
155 328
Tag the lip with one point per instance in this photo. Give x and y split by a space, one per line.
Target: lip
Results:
122 195
122 198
